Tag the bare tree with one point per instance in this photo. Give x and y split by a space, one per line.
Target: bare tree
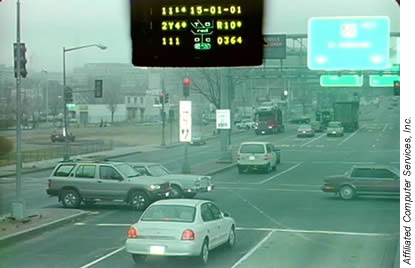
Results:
112 98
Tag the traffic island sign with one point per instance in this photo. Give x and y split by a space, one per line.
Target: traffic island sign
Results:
185 123
348 43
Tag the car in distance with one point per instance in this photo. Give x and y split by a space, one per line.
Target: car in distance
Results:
90 181
245 124
335 129
182 185
316 126
258 155
305 131
197 140
364 180
56 136
180 227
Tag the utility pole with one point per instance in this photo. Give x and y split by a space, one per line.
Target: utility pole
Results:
163 114
18 207
226 155
186 91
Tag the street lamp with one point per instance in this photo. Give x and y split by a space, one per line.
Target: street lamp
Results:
65 117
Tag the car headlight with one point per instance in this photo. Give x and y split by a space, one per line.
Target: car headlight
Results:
154 187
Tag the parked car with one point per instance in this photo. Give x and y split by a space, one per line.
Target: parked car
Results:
197 140
90 181
258 155
364 180
305 131
61 138
245 124
182 185
180 227
335 129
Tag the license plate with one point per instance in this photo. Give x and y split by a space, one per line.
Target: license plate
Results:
157 250
251 157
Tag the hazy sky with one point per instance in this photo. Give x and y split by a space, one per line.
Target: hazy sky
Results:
48 25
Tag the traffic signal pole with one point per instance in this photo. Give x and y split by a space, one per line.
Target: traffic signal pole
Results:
163 114
65 112
18 207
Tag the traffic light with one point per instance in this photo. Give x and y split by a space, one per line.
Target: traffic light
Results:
67 95
396 88
166 98
161 98
186 87
284 95
98 89
21 59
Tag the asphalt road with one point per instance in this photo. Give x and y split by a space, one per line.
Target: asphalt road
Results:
283 218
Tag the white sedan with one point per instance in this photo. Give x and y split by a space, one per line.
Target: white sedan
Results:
180 227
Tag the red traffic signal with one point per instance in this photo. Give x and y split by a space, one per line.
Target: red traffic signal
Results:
186 87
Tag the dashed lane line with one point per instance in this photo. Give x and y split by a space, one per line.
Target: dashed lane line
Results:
348 138
103 258
269 189
279 174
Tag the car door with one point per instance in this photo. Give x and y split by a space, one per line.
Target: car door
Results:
86 180
365 181
109 183
221 224
210 224
388 181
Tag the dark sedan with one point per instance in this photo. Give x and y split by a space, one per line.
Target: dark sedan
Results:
60 137
364 180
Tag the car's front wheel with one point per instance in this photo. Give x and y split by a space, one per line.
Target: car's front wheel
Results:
231 238
176 192
70 198
347 192
204 253
139 200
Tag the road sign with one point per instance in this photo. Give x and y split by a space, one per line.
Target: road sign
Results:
185 122
385 80
348 43
223 119
341 81
275 46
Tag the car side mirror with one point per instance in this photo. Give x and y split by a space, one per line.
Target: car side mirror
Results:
226 214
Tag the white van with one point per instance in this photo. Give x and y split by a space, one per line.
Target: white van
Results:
258 155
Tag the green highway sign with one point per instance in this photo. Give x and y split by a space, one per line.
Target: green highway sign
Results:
383 80
341 81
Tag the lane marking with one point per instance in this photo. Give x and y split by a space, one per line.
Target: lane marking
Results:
384 128
312 231
249 253
319 137
343 162
279 174
346 139
271 190
103 257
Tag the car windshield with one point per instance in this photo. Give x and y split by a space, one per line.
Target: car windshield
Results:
252 148
304 127
127 170
157 170
169 213
334 124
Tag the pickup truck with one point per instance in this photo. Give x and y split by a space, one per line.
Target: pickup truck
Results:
90 181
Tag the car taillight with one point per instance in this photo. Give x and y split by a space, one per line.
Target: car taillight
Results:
188 235
132 233
239 157
267 157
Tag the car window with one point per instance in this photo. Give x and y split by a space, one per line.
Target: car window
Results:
215 211
252 148
157 170
384 173
85 171
141 170
108 173
64 170
176 213
206 213
362 173
127 170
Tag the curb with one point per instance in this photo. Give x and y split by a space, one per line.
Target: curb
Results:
215 171
12 238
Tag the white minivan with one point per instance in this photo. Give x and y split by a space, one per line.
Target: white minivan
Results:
258 155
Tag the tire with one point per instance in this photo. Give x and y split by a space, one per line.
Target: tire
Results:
275 166
346 192
139 200
268 169
231 239
138 258
176 191
70 198
189 195
204 253
279 160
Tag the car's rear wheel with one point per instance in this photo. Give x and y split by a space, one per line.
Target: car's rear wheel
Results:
138 258
347 192
176 192
268 168
139 200
231 239
204 253
70 198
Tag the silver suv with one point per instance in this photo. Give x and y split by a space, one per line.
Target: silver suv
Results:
79 181
258 155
